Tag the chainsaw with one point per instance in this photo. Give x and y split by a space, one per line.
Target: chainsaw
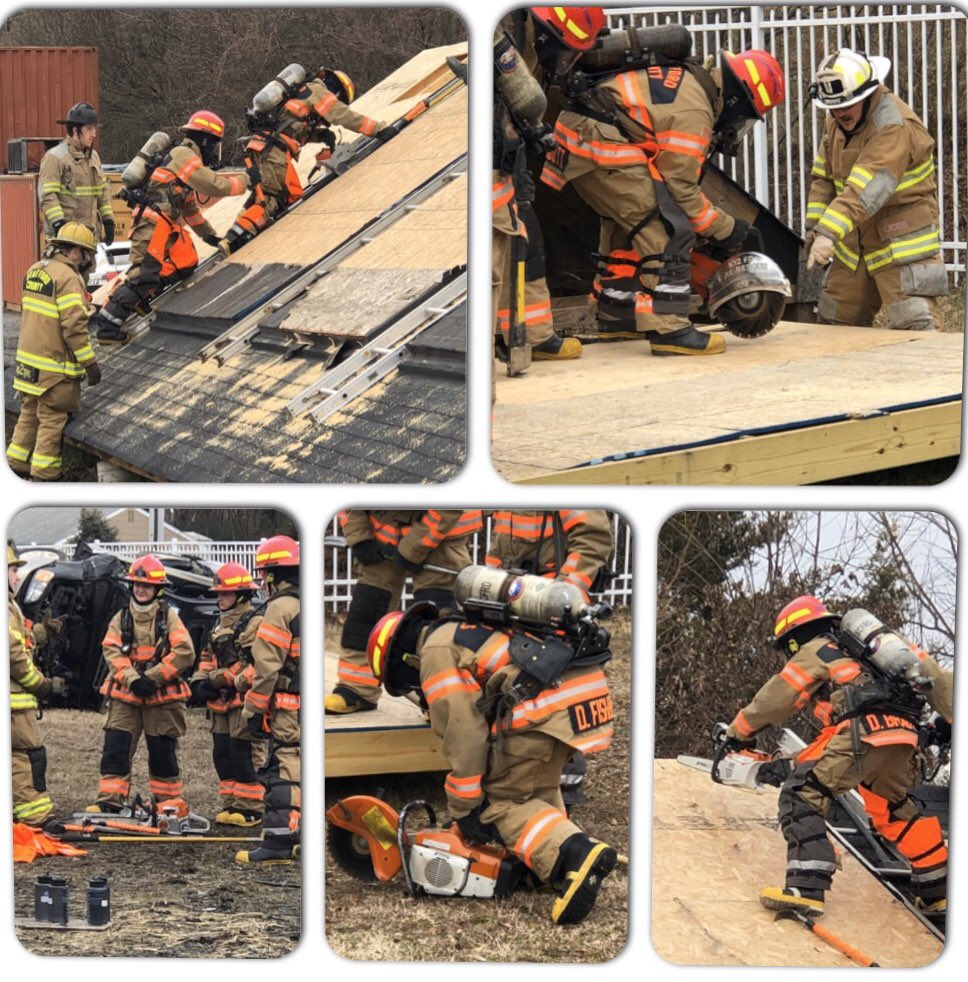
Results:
370 841
171 818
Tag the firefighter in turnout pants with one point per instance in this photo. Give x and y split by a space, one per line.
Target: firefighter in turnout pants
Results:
162 251
634 147
387 547
146 649
569 545
224 671
873 215
870 745
71 183
54 353
32 805
504 760
271 706
308 115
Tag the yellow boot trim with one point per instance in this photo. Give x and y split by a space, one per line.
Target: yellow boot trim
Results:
578 878
570 348
775 898
716 346
236 818
338 704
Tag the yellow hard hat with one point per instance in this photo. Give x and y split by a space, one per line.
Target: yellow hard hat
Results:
12 558
74 233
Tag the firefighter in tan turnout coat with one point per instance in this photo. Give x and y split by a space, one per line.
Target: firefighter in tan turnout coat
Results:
32 805
54 353
387 546
71 183
505 757
270 709
146 649
873 211
870 745
225 671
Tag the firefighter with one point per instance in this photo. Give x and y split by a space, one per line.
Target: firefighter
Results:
871 746
54 353
237 755
387 547
71 183
270 709
505 754
162 251
146 649
634 146
32 803
306 116
872 214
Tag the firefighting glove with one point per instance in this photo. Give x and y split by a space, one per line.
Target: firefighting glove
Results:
56 226
203 691
734 241
255 175
253 725
524 189
401 562
368 552
774 772
728 745
471 828
93 373
212 240
939 732
108 231
142 687
821 252
46 688
384 133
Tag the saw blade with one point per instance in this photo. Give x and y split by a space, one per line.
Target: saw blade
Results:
696 763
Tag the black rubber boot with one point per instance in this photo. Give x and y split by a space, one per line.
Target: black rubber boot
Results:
583 863
557 349
686 341
343 701
809 902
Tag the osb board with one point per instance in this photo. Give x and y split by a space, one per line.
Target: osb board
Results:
363 192
714 848
387 100
394 738
619 399
433 236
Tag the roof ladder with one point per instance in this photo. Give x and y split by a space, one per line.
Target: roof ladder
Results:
225 345
367 366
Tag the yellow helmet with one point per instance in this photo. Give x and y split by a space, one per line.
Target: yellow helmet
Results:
339 83
74 233
12 558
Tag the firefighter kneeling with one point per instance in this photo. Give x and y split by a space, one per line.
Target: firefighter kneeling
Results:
270 710
506 736
145 649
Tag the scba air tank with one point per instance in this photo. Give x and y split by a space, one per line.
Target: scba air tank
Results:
866 636
272 93
622 48
515 84
532 599
137 172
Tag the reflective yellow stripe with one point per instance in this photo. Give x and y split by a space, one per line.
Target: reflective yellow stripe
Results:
28 388
847 256
31 808
47 463
839 224
54 212
84 354
51 187
860 177
911 247
42 307
815 210
31 678
69 300
17 452
916 175
49 364
22 700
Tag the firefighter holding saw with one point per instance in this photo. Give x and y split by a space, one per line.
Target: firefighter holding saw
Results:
507 731
878 685
270 709
227 656
146 649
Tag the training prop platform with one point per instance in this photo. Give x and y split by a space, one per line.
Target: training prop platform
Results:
805 403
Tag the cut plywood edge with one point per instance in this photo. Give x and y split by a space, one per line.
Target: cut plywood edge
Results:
324 221
394 738
387 100
714 848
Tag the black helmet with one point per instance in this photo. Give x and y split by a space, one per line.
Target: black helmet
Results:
80 114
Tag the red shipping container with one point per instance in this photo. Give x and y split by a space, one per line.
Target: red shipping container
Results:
19 235
39 85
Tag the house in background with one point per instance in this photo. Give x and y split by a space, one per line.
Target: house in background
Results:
56 526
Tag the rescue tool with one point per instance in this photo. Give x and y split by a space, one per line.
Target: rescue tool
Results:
842 946
169 818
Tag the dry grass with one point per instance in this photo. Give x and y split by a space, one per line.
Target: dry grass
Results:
167 900
380 922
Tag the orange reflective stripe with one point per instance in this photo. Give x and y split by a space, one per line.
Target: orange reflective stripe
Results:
742 726
600 740
470 521
632 99
165 789
678 141
356 674
112 638
569 517
464 787
178 635
188 169
845 672
195 219
448 682
251 792
326 103
494 654
114 785
257 700
226 787
592 685
286 700
796 677
887 738
537 831
298 108
368 126
601 152
554 181
277 636
502 193
706 217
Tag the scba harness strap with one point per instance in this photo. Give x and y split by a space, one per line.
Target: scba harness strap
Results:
162 643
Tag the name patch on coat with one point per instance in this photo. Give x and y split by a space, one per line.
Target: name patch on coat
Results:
664 82
39 281
591 713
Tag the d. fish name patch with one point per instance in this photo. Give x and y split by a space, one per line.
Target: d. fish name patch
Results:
591 713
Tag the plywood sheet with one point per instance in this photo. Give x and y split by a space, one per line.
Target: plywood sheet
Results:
619 399
714 848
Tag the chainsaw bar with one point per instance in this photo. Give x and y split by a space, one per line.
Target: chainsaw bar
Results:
696 763
190 824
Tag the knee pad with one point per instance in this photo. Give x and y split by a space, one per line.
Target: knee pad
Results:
910 314
116 756
221 755
444 599
827 309
368 605
162 760
38 767
242 766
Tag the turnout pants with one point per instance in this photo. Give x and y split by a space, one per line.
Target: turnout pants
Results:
884 775
377 591
37 441
32 805
523 789
162 726
280 777
538 321
237 758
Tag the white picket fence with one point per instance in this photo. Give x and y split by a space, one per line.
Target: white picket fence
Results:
338 579
927 47
207 551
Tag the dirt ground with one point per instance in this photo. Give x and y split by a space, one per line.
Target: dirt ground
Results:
167 899
379 921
